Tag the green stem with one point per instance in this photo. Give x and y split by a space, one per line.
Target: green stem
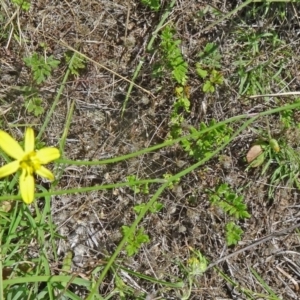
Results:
160 25
228 15
150 203
149 48
62 86
172 142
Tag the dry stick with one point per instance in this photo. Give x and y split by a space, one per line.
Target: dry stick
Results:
258 242
149 48
64 44
227 15
275 95
127 21
160 25
289 277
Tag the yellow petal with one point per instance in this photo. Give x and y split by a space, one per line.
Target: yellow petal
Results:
27 187
9 168
44 172
10 146
47 154
29 140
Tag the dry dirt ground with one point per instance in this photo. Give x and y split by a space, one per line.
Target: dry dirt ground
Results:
115 34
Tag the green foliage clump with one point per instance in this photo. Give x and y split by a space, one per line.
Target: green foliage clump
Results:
156 207
229 201
137 188
24 5
181 106
279 157
233 233
134 242
172 56
34 105
153 4
232 204
75 62
202 147
208 67
41 66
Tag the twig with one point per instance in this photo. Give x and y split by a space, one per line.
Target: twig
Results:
289 277
256 243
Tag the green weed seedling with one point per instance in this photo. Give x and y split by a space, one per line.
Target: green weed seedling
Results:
215 78
23 4
195 266
255 74
210 57
200 148
153 4
226 199
41 67
167 176
181 106
122 289
232 204
77 64
34 105
197 263
233 233
134 242
208 67
172 56
172 59
137 188
156 207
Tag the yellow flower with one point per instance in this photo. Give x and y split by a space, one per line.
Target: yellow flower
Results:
28 160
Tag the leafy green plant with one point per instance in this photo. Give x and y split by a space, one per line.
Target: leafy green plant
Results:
202 147
208 67
281 160
34 105
215 78
135 242
256 75
181 106
232 204
23 4
196 266
197 263
153 4
173 60
171 184
78 62
287 119
233 233
137 188
172 56
33 102
224 198
279 157
41 66
210 57
156 207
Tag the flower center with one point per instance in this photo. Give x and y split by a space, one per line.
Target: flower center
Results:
30 163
